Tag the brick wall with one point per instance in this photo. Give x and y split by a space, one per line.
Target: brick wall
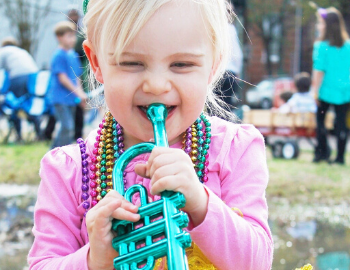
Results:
255 67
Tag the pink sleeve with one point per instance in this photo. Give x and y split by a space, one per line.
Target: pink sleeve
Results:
58 217
236 242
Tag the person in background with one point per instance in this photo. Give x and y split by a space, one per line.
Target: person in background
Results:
284 108
65 90
302 101
331 80
229 85
19 64
74 16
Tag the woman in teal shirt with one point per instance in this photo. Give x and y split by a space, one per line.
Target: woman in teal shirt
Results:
331 80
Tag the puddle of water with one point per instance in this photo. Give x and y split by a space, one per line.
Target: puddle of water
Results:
303 234
16 222
324 245
8 191
316 234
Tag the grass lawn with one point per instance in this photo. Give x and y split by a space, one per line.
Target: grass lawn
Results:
299 180
19 164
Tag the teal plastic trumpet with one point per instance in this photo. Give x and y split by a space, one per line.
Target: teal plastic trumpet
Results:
159 232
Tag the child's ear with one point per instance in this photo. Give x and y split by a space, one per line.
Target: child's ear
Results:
214 69
91 55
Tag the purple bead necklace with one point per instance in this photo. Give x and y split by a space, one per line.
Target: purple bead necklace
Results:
109 146
85 172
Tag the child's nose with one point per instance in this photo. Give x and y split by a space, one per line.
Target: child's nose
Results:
156 84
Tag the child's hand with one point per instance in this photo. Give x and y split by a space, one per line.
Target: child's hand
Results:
80 93
99 224
172 169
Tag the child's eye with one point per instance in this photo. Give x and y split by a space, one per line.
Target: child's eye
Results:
182 65
130 64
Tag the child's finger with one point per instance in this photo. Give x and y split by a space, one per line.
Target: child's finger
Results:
158 151
103 214
141 170
114 195
113 208
123 214
171 169
166 183
110 195
129 206
167 159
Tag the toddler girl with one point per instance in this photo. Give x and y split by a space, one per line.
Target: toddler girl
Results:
143 52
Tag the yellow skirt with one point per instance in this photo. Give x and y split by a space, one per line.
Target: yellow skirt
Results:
197 261
195 257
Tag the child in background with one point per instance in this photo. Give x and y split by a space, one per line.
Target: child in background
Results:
302 101
65 88
285 96
171 52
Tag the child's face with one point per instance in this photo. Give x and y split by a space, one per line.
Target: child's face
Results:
170 61
68 40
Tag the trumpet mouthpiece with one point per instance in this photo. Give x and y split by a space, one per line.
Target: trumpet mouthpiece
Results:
157 112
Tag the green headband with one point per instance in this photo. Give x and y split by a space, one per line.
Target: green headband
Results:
85 4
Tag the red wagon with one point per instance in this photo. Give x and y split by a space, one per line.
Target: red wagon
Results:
283 131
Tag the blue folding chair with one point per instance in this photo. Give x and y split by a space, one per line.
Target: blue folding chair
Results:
9 109
4 86
38 85
31 105
4 81
37 105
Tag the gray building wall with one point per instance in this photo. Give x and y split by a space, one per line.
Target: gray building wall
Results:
47 41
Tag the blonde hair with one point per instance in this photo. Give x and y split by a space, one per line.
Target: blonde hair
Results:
64 27
120 21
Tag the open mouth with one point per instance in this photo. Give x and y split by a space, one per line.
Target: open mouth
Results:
144 108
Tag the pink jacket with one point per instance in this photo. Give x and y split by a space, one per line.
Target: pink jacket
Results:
238 177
